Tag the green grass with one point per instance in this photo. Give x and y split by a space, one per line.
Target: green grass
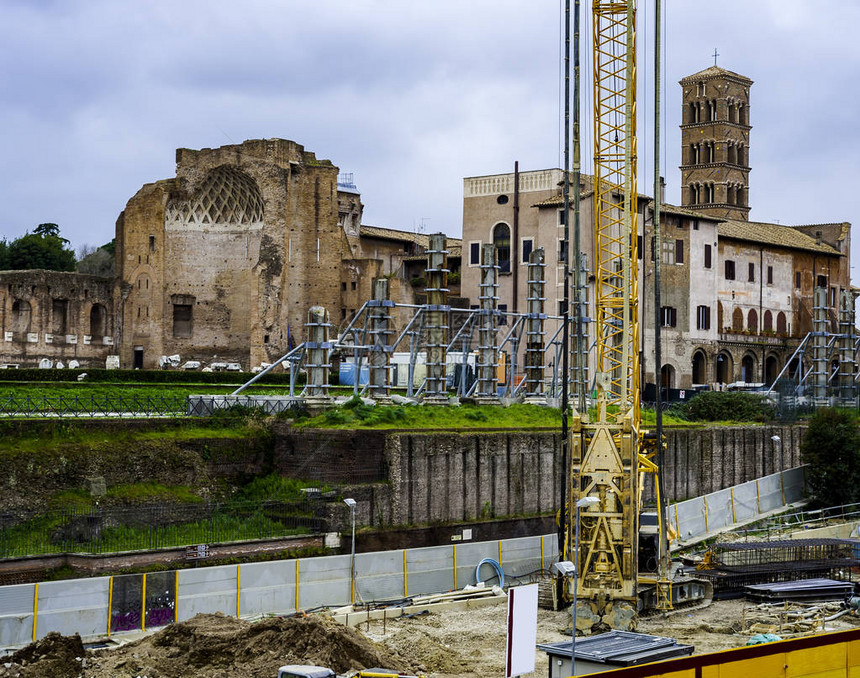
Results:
34 536
354 414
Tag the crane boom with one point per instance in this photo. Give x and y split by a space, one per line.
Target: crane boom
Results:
605 448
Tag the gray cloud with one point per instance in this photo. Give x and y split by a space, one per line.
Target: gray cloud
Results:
411 97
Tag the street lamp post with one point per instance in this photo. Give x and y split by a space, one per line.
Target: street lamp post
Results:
351 503
778 442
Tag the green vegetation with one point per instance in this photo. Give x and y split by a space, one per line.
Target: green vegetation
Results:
355 414
275 488
724 406
43 248
831 448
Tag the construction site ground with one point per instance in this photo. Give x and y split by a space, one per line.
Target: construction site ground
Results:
464 642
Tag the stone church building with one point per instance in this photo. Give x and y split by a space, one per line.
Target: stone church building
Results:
219 263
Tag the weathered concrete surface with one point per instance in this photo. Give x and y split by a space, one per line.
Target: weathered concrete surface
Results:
450 476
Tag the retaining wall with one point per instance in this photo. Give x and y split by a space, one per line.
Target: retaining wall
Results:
465 476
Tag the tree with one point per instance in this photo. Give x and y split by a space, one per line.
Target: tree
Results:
44 248
831 448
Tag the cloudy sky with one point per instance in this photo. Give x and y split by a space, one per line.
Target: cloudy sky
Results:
410 97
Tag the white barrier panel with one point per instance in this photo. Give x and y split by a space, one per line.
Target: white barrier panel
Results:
206 590
720 510
468 557
429 570
268 588
706 515
380 576
324 581
73 606
16 614
523 556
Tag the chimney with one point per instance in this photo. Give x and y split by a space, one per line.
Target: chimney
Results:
662 190
818 237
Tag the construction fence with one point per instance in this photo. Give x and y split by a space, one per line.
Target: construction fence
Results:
696 519
103 606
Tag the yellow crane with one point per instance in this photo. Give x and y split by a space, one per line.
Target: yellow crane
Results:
607 450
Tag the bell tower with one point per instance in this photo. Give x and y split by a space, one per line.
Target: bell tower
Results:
715 132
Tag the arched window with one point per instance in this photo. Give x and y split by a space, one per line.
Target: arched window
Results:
699 368
667 377
752 321
771 369
98 327
737 320
781 325
724 368
502 243
748 369
768 321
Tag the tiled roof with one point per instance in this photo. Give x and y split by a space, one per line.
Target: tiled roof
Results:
683 212
772 234
558 200
421 239
714 72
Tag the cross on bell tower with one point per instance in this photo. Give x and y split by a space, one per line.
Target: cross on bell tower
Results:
715 133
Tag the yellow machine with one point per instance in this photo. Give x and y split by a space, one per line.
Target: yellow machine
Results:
607 451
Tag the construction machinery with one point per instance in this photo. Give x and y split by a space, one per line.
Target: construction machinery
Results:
608 451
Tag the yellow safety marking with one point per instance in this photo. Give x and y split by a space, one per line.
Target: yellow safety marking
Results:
500 551
405 581
297 584
176 596
732 493
541 554
143 605
238 587
677 523
35 609
110 604
705 499
455 566
757 496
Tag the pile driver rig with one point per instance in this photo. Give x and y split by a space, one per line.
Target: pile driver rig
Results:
608 451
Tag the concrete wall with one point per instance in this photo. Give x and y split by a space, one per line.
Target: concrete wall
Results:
427 478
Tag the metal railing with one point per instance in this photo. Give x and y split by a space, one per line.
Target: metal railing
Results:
152 526
92 406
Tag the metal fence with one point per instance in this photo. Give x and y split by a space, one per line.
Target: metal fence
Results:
696 519
107 605
153 526
93 406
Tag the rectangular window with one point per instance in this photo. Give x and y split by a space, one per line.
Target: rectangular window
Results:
703 318
474 253
679 251
503 319
561 217
182 320
695 224
528 246
770 275
833 296
668 316
730 270
668 252
751 276
821 281
707 256
797 280
152 243
562 251
561 307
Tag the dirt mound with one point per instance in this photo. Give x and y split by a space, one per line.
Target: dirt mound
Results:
216 645
54 656
434 656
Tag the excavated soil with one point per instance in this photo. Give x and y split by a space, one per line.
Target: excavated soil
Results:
468 643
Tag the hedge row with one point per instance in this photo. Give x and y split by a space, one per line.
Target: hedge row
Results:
276 377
